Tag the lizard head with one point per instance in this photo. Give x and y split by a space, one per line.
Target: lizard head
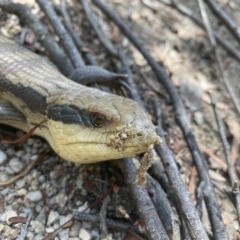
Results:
90 125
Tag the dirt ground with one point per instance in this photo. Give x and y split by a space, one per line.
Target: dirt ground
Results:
183 49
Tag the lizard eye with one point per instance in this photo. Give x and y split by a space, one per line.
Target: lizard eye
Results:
98 120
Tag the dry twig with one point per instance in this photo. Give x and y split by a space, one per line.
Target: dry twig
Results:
59 29
217 56
231 171
226 19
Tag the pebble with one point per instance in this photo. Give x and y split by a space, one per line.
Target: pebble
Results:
9 215
50 190
30 141
64 234
3 176
61 200
34 196
64 219
37 143
2 228
19 153
10 233
3 217
83 207
95 235
10 152
16 165
22 192
20 183
79 183
37 227
38 237
30 236
52 217
26 157
74 230
49 229
3 157
84 234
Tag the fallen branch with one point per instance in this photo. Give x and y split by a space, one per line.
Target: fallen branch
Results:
59 29
231 171
225 18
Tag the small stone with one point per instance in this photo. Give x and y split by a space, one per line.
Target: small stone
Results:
22 192
19 154
61 199
50 190
1 228
74 230
3 217
37 227
83 207
26 157
64 219
3 176
53 216
64 234
10 152
9 215
37 143
95 234
38 208
20 183
30 236
3 157
108 237
10 233
38 237
79 183
84 234
16 165
49 229
34 196
30 141
34 157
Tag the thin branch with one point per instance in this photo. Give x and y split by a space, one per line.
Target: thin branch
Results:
225 18
24 231
61 32
161 203
181 117
231 171
92 19
126 68
118 224
149 216
183 197
227 83
76 38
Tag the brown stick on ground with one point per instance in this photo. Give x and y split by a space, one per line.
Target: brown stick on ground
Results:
231 171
